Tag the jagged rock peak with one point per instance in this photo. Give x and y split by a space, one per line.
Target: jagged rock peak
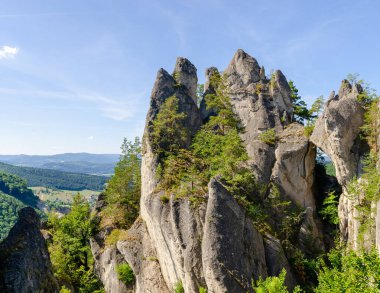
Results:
245 66
24 259
185 74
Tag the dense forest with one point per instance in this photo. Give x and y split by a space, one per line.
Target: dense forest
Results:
56 179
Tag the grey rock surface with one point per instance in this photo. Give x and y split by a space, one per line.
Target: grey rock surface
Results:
232 249
336 133
260 105
24 258
106 258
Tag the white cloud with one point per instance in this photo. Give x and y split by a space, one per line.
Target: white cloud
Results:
91 137
7 52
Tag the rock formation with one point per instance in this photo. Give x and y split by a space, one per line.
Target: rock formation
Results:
337 134
215 245
24 259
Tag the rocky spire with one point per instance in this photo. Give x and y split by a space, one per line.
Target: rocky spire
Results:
24 259
185 74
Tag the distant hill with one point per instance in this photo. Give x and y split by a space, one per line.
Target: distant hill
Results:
56 179
97 164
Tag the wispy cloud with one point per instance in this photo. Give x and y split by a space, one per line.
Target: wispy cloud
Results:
7 52
116 109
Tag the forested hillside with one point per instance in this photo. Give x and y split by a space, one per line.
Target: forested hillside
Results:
14 195
96 164
56 179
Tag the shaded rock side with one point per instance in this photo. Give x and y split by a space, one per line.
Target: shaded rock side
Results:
232 249
24 259
336 133
293 173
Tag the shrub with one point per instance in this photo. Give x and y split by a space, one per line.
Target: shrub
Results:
115 236
125 273
164 199
268 136
64 290
178 287
273 285
202 290
350 272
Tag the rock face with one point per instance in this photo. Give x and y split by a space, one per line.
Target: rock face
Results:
232 249
214 244
261 104
336 133
107 258
24 259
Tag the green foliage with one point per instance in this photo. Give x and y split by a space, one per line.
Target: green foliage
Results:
165 198
216 149
64 290
268 136
273 284
9 207
202 290
178 288
350 271
124 188
329 210
330 169
125 273
316 108
301 112
69 249
200 92
14 195
168 133
368 94
16 187
56 179
309 128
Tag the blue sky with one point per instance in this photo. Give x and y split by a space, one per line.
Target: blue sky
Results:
75 76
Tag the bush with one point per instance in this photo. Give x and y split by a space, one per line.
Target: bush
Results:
64 290
115 236
178 288
273 285
202 290
268 136
125 273
165 199
350 272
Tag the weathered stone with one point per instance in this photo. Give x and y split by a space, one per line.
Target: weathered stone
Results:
106 258
276 260
24 259
232 249
208 89
336 133
260 105
185 75
293 171
138 251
